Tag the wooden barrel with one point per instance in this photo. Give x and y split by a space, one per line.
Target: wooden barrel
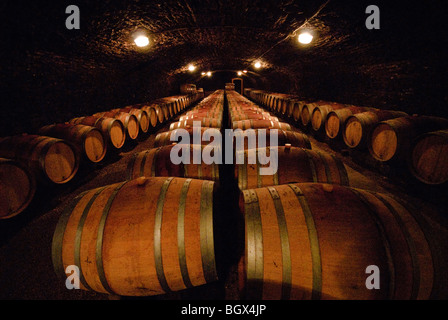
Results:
282 137
17 188
293 165
358 127
428 160
315 241
257 116
141 115
157 162
320 113
392 139
88 140
297 109
336 119
49 159
129 121
260 124
112 129
204 122
155 114
308 109
164 138
142 237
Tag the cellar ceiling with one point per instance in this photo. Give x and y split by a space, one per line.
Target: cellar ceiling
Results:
43 61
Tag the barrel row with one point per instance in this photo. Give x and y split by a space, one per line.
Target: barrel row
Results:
388 135
308 235
54 154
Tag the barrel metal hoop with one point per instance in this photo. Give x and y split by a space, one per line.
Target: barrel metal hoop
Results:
206 232
58 236
130 168
181 234
284 240
78 236
344 180
314 243
158 236
100 237
254 246
312 166
327 168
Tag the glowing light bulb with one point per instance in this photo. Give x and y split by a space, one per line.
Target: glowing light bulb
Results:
141 41
191 67
257 64
305 37
240 73
245 71
209 74
203 73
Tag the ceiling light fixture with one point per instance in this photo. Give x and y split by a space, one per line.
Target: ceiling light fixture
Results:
240 73
245 71
209 74
141 41
257 64
191 67
203 73
305 37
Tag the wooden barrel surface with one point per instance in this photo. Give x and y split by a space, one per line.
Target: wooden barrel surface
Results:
428 160
157 162
178 136
320 113
358 127
17 188
88 140
49 159
155 113
260 124
335 121
293 165
142 237
392 139
315 241
249 139
112 129
204 122
129 121
141 115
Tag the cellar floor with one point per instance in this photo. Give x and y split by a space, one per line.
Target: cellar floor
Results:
26 270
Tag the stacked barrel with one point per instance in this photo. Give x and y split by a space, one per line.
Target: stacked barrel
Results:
386 135
54 153
308 235
153 233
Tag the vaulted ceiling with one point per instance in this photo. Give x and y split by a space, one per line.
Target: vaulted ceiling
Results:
61 72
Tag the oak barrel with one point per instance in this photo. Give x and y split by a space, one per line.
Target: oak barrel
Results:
141 237
157 162
358 127
88 140
428 160
335 121
315 241
282 137
392 139
17 188
293 165
176 136
112 129
260 124
49 159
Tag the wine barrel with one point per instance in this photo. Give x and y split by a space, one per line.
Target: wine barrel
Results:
157 162
261 124
155 113
88 140
112 129
129 121
49 159
164 138
297 109
428 160
293 165
392 139
141 115
336 119
142 237
17 188
255 116
358 127
320 113
282 137
204 122
315 241
308 109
